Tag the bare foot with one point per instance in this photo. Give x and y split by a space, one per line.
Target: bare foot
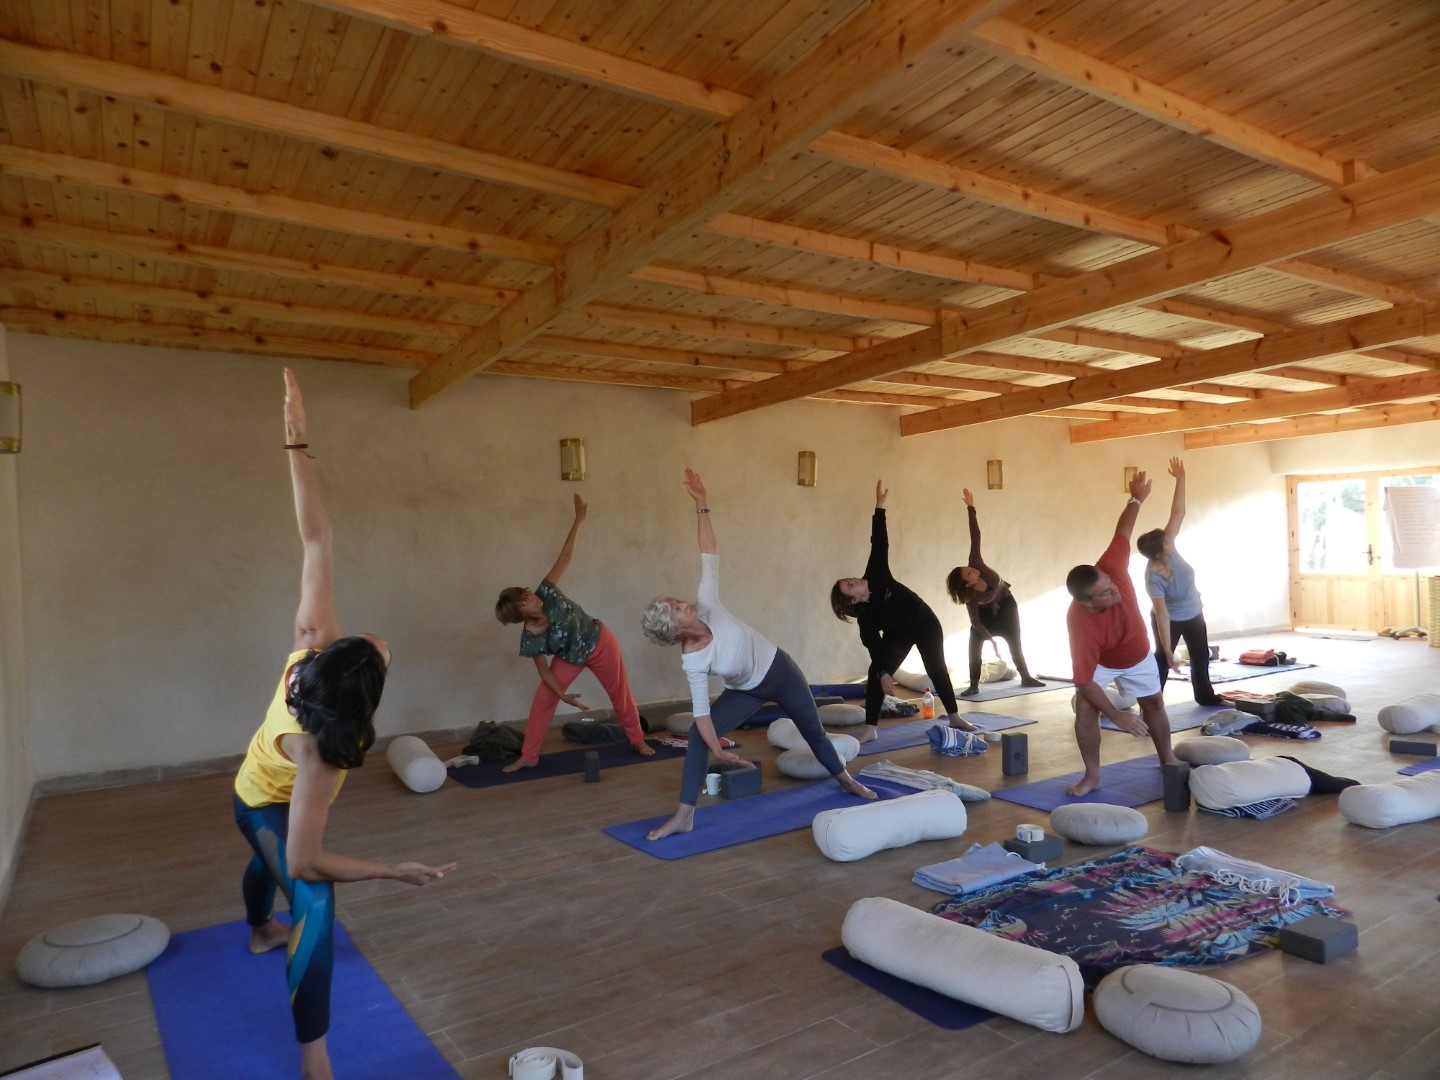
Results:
970 691
682 822
1084 786
852 786
963 725
1028 681
516 766
270 936
870 734
315 1061
644 749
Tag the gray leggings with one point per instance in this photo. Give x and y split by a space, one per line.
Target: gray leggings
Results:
783 684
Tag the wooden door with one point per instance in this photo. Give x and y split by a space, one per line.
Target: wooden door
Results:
1341 575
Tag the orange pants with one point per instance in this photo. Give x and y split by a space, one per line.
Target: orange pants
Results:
609 667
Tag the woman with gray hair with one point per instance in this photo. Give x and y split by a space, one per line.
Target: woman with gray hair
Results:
713 642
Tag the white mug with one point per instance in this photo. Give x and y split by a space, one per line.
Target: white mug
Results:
712 783
1029 834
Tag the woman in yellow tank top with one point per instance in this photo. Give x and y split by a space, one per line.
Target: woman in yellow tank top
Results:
319 724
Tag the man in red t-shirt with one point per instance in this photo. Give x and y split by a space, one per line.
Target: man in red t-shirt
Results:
1108 644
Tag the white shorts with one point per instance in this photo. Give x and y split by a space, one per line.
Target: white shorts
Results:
1137 681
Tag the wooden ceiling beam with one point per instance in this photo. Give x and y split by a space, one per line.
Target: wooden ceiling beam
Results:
1379 416
1321 220
815 242
111 79
232 260
56 322
652 354
1377 328
1347 282
718 327
840 74
691 383
857 307
66 169
1366 392
82 290
1057 60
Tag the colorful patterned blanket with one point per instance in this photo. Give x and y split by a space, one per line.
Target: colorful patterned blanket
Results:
1134 907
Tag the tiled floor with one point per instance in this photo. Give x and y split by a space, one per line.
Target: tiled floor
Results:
550 933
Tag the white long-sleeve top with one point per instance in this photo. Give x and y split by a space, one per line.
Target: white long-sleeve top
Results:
738 654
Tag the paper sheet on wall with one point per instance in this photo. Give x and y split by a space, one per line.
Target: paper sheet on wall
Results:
1413 514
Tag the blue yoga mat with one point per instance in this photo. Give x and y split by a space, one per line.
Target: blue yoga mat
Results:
929 1004
1421 767
738 821
225 1014
914 733
1225 671
997 691
1125 783
1184 716
560 763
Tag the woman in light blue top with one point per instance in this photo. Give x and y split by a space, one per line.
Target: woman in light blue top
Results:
1178 613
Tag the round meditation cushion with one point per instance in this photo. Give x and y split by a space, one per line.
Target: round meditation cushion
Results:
848 833
91 950
415 763
802 764
1328 702
1212 750
996 671
679 723
1007 977
1177 1015
841 714
1315 686
1379 806
1411 715
1240 783
1098 824
784 734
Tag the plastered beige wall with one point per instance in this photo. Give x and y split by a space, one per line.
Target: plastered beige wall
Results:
16 775
161 564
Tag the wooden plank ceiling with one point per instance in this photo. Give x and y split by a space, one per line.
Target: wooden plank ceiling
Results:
1193 216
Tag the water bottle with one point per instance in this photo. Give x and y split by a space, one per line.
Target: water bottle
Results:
927 705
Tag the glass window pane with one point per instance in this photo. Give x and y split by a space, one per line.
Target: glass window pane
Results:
1332 534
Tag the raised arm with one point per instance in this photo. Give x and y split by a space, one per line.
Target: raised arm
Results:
1139 492
316 624
975 558
567 550
704 531
1177 503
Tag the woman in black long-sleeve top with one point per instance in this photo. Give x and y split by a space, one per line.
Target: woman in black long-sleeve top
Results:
991 606
893 620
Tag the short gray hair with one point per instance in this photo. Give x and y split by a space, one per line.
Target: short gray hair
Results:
658 622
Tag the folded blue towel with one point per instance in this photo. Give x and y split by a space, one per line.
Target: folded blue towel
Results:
956 742
979 868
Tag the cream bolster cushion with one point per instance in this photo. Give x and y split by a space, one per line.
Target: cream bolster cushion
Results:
1008 977
848 833
1099 824
918 680
802 764
679 723
1177 1015
415 763
1411 715
91 950
784 734
1379 806
1212 750
1315 686
1240 783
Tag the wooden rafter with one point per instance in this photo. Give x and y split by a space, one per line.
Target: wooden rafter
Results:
1380 416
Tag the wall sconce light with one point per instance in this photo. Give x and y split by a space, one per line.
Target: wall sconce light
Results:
994 474
9 418
572 459
806 469
1130 471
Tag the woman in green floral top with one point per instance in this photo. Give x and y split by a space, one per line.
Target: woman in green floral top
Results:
556 626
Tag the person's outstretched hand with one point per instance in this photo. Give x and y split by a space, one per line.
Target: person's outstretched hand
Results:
1177 468
1140 486
969 499
880 493
580 509
294 411
694 485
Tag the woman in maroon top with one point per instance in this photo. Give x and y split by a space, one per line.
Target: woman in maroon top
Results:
991 605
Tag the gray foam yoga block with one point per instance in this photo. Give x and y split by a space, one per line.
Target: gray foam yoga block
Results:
1036 850
1319 938
736 781
1412 746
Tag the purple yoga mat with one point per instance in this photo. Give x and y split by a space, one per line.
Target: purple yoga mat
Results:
1125 783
